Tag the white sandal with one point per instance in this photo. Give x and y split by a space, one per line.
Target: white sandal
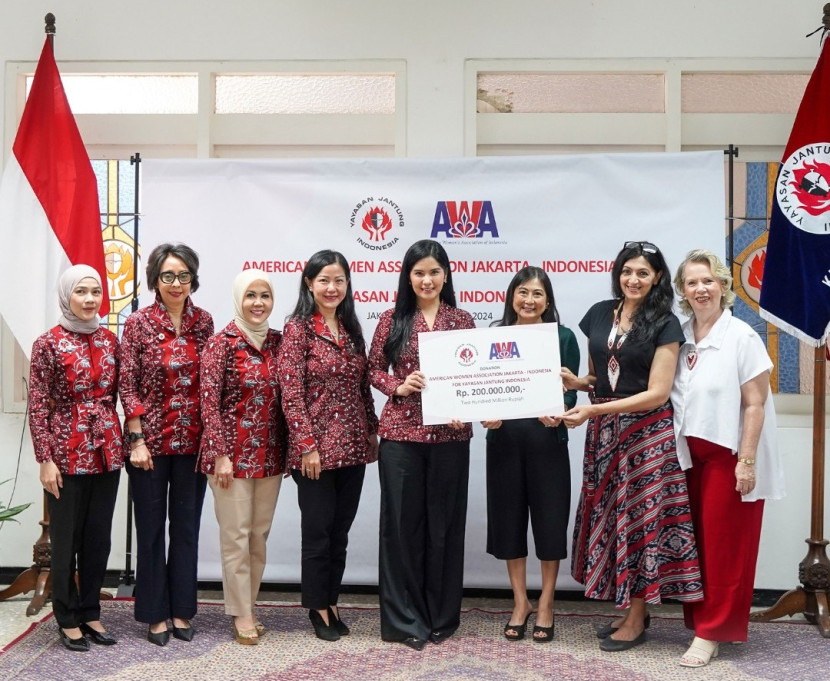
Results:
699 653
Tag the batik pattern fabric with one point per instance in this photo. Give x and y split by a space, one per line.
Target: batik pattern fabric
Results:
326 395
73 385
402 418
241 405
633 535
160 376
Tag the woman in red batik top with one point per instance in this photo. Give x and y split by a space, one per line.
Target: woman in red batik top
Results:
77 442
423 469
241 450
332 428
159 386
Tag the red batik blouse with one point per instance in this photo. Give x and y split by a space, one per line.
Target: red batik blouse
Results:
73 382
326 396
241 404
160 376
401 419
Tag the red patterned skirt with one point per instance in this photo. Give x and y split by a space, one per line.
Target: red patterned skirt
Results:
633 536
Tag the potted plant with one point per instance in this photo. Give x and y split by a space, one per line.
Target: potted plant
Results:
9 513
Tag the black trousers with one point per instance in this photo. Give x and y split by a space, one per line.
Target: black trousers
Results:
528 473
423 515
327 507
165 584
80 524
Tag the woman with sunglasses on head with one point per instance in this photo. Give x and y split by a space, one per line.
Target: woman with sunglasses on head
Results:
241 448
77 442
633 539
529 473
159 386
332 428
725 425
423 469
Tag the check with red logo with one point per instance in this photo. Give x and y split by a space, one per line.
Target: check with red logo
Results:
498 373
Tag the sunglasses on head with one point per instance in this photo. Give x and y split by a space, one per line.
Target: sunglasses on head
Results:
644 246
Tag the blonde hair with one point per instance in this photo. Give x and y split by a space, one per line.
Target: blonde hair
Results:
718 270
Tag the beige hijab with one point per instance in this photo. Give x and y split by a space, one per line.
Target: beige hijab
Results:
255 333
66 284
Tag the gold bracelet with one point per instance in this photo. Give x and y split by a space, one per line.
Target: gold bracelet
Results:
746 460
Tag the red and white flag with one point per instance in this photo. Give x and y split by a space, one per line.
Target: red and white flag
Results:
49 215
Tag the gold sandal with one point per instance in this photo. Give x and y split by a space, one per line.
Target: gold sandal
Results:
247 637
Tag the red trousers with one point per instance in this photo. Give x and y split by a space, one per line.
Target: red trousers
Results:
727 531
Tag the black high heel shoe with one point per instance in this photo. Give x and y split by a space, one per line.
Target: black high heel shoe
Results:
160 638
102 638
76 645
337 623
326 632
516 632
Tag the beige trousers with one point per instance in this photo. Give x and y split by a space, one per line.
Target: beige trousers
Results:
244 512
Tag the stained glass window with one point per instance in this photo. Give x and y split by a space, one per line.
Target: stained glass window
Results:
116 198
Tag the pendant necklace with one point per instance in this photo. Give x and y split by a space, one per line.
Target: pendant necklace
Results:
614 345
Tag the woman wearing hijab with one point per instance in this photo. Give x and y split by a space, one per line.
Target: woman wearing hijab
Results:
332 428
241 449
77 442
159 386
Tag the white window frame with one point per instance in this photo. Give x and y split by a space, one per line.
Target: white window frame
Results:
760 137
202 134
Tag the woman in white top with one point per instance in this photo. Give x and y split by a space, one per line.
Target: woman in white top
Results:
724 422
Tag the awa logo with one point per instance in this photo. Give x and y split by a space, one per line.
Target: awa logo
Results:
803 188
464 220
508 350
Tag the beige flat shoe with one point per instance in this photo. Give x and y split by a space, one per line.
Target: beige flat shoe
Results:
699 653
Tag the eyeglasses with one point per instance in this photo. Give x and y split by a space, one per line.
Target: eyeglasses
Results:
169 277
644 246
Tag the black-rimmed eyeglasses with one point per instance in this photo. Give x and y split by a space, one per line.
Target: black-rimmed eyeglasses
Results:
169 277
644 246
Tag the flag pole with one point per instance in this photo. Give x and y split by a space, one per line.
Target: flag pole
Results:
38 576
812 597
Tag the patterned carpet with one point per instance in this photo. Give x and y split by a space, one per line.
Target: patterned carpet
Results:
478 652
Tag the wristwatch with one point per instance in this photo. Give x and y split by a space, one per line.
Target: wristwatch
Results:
135 437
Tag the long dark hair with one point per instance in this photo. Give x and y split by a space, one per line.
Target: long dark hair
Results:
524 275
658 303
406 302
306 307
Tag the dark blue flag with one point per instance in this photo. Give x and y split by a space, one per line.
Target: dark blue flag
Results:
795 290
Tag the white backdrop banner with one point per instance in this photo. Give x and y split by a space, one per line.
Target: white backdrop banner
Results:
567 214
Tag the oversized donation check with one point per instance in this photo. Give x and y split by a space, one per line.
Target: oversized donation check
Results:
503 372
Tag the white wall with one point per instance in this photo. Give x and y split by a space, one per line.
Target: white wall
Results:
434 38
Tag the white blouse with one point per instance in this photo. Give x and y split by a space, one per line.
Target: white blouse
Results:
706 396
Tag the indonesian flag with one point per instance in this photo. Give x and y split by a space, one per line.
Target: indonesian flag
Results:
795 290
49 215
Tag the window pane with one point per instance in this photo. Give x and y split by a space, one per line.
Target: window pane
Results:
571 93
128 94
306 94
742 92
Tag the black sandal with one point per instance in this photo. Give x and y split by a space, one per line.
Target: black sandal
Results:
547 632
517 629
